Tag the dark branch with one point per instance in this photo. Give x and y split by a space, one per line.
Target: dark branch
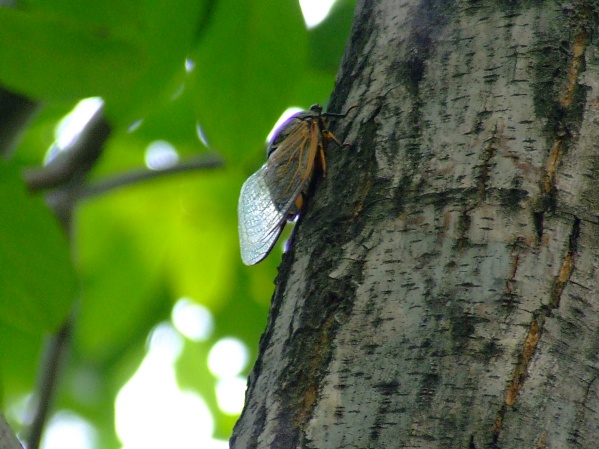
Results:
204 162
73 164
53 360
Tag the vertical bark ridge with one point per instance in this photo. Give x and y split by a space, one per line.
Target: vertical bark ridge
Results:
488 154
562 131
536 328
578 48
315 358
510 282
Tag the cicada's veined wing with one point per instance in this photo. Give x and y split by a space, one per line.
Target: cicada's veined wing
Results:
268 197
260 221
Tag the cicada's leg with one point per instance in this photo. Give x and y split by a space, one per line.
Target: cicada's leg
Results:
326 134
323 161
337 115
330 136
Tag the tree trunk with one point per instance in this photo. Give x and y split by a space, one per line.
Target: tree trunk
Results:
441 287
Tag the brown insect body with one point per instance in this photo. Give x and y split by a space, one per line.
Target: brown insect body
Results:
274 194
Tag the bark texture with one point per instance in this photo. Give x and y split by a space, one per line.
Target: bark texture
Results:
442 286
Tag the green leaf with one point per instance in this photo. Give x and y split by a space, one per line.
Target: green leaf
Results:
38 281
50 49
19 362
126 52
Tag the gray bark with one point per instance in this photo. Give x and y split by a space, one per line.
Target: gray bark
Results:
441 289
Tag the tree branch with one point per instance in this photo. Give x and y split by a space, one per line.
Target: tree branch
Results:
72 165
52 363
207 161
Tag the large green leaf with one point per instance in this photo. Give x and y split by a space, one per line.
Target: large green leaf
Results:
126 52
51 48
38 281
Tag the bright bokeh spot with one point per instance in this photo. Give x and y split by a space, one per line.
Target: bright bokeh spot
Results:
153 413
67 430
160 154
192 319
165 341
230 394
284 116
315 11
189 65
71 126
227 358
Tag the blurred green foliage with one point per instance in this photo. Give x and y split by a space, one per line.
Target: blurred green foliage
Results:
136 250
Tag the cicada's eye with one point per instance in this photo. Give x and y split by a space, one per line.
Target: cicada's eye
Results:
316 109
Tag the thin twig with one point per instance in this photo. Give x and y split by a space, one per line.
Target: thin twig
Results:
204 162
53 360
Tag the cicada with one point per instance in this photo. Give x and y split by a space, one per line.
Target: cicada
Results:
274 194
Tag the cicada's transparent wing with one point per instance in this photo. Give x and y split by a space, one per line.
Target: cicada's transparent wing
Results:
268 197
260 220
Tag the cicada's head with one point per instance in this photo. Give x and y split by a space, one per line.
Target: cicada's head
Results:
316 109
